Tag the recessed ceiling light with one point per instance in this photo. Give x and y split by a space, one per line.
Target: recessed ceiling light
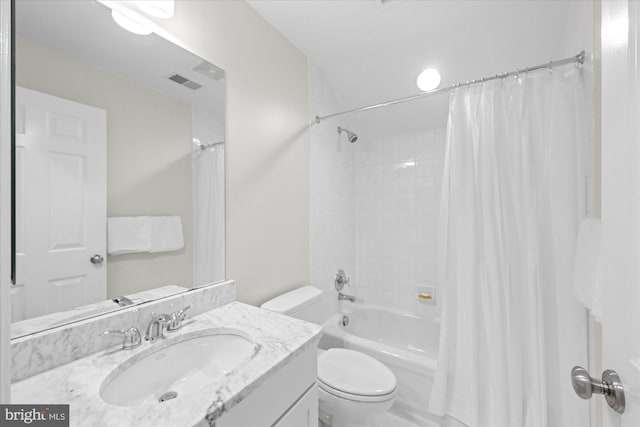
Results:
428 80
129 23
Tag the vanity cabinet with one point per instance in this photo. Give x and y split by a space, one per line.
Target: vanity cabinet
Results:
303 413
288 398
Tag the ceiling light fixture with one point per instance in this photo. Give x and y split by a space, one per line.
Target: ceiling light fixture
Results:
162 9
428 80
129 23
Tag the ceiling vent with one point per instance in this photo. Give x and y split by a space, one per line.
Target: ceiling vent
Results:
181 80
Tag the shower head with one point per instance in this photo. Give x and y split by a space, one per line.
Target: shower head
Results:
352 136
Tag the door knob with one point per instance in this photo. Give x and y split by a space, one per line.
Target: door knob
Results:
610 386
96 259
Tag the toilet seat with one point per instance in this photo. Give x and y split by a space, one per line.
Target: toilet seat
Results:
355 397
355 376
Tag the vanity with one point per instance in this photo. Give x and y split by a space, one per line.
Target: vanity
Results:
233 365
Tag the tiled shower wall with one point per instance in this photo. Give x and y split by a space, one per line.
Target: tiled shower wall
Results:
374 209
332 190
398 181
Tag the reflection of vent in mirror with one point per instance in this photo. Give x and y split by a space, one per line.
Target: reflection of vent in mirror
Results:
185 82
210 70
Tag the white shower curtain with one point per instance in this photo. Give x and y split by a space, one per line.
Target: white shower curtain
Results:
512 198
208 208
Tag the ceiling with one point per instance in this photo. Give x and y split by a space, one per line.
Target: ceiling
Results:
372 51
86 31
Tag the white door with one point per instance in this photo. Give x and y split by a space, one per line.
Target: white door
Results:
60 205
621 203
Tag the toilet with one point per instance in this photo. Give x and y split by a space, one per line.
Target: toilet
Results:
353 387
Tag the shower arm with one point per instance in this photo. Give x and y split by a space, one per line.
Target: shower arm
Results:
213 144
577 59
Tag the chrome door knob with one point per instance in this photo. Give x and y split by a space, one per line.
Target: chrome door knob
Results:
96 259
610 386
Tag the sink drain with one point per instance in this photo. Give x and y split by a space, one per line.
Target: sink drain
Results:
168 396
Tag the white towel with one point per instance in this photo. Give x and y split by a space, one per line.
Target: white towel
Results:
166 234
586 274
126 235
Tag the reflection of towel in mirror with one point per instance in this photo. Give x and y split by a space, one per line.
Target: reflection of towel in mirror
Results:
128 234
166 234
587 275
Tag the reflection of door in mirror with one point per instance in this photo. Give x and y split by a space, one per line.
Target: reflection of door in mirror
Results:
61 161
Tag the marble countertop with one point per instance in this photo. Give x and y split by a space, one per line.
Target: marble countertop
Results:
279 339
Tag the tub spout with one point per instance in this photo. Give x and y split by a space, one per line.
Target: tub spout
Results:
349 298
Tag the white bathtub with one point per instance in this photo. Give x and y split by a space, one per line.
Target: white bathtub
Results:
407 344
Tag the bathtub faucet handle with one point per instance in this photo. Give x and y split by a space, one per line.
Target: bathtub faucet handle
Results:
341 280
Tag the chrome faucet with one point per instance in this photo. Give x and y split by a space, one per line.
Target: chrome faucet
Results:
349 298
131 338
157 326
177 318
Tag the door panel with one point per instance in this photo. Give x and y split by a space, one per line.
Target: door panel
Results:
620 204
61 203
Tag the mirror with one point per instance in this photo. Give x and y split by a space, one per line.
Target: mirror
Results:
119 163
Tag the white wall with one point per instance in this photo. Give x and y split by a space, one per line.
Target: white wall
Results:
148 157
267 149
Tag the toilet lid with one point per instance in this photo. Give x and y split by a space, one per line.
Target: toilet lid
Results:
355 373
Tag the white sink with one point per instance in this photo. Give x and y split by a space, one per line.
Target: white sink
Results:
184 366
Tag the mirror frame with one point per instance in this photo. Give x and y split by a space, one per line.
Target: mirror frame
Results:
13 142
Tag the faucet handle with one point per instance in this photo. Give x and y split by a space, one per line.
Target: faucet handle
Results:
184 310
177 318
160 318
341 279
131 338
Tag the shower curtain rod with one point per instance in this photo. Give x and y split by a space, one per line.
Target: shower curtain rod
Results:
579 58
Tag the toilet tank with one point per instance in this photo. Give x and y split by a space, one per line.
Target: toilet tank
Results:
303 303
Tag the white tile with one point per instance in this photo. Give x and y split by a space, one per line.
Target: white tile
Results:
394 418
440 143
404 148
374 211
376 296
425 145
